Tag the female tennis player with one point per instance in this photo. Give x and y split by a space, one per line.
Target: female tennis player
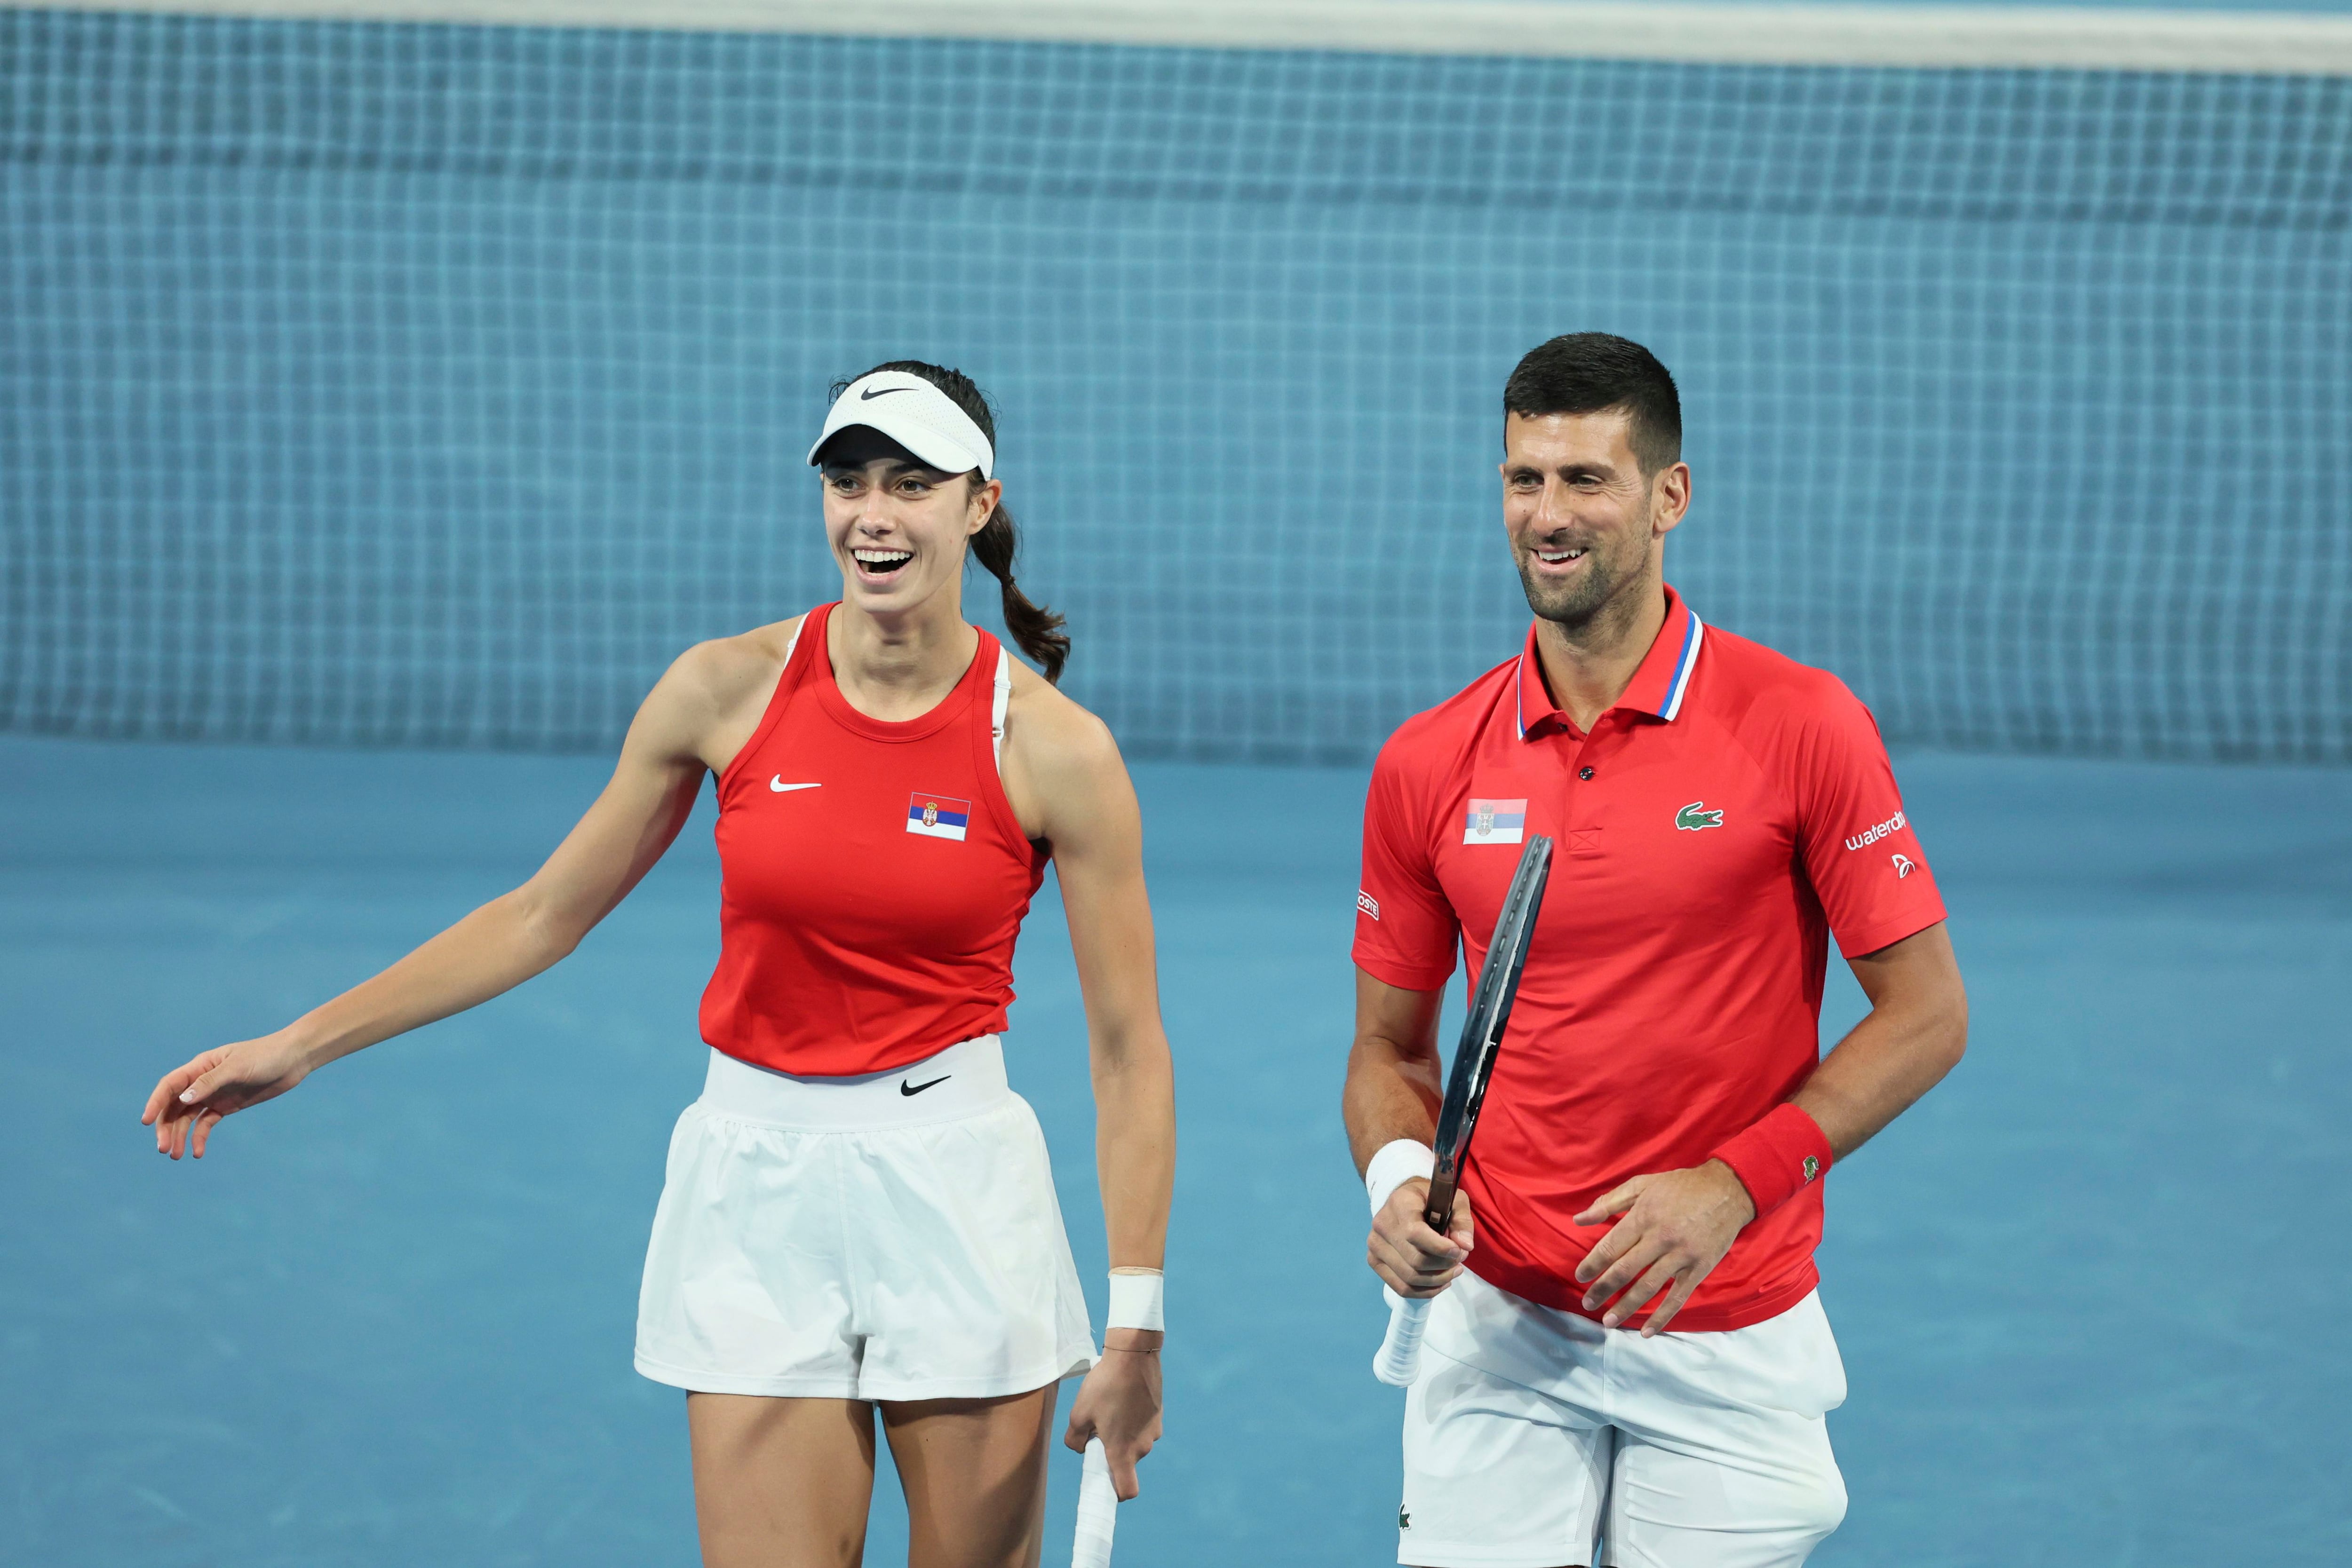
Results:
858 1214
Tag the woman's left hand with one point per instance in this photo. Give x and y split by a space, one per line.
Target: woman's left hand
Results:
1119 1403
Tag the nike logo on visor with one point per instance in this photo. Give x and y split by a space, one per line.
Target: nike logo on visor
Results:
870 394
780 787
907 1088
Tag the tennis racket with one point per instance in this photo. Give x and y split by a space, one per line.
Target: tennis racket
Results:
1465 1087
1098 1510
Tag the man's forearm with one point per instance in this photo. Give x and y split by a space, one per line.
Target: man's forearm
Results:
1390 1094
1914 1033
1874 1075
1393 1087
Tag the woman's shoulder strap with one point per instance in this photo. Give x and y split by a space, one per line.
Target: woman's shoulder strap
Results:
1000 700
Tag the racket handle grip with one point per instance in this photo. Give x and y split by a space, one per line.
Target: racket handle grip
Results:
1400 1353
1098 1510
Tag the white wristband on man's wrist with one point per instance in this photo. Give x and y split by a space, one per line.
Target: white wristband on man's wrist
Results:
1135 1300
1397 1164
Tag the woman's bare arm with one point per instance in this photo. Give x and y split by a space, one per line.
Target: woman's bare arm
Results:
1097 833
1063 766
513 936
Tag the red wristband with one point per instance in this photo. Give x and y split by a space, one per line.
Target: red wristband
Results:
1777 1158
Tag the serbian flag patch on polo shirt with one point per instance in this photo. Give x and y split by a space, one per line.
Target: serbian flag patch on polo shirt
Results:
1495 823
937 816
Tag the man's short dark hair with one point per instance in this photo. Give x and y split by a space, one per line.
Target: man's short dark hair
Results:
1587 373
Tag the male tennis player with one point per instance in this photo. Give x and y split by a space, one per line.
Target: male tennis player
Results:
1651 1150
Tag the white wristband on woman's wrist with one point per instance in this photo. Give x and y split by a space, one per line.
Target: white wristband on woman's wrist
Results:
1135 1300
1397 1163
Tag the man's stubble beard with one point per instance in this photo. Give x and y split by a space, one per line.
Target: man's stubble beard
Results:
1575 609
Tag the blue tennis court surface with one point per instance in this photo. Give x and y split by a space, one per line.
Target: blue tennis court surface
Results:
2090 1292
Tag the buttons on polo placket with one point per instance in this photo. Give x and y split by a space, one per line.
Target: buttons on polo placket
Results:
1584 843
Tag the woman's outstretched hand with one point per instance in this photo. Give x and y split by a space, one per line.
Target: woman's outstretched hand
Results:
189 1100
1119 1403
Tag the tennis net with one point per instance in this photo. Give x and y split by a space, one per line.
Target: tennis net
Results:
375 383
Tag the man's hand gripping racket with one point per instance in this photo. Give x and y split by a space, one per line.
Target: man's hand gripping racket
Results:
1465 1087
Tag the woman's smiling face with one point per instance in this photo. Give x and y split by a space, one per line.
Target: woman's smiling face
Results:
899 531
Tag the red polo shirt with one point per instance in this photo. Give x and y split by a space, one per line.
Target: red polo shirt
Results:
1714 827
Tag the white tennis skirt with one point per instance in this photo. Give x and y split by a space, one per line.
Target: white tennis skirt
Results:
890 1235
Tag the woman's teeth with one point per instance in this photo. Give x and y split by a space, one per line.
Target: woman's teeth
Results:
882 561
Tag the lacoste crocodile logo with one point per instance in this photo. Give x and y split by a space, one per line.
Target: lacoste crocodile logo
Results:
1695 816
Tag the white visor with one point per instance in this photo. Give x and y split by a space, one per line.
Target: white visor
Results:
916 415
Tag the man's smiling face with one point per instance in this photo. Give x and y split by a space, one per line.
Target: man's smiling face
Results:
1584 519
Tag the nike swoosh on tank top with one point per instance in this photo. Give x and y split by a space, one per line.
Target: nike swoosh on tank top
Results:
869 922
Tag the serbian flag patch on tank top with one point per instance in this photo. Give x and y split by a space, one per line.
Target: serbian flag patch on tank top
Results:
937 816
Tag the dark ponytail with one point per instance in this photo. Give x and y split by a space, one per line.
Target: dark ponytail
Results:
1035 629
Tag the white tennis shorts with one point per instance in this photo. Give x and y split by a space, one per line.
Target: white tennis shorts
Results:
1535 1438
891 1235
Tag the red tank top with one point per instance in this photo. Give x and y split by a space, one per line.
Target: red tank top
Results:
873 875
